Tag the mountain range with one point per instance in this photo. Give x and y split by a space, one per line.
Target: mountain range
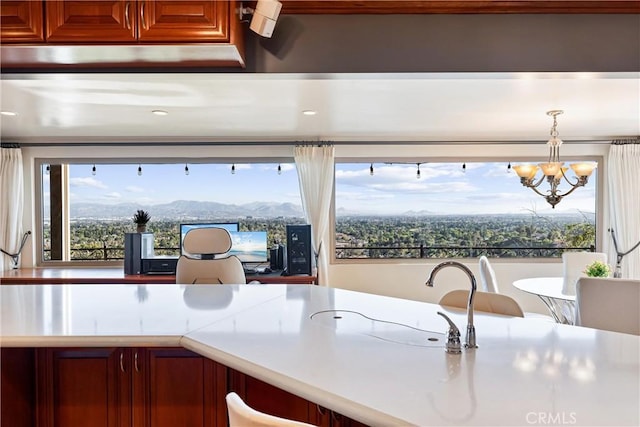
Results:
186 209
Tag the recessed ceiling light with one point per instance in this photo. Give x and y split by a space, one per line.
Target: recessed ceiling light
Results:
309 113
8 113
160 112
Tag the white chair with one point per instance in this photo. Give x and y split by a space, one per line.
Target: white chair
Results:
573 266
484 301
489 283
242 415
205 259
487 276
609 304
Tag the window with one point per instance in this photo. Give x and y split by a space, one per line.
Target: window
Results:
87 208
442 210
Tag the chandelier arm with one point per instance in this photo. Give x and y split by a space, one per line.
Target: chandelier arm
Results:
573 188
536 190
531 185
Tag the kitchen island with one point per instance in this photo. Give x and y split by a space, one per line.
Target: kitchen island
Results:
374 359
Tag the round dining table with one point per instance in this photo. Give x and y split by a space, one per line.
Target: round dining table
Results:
550 290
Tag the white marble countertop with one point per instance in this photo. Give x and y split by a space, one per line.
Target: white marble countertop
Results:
380 372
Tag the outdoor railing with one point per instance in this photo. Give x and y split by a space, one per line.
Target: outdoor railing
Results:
106 253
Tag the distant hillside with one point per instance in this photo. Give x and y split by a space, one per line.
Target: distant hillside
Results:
185 209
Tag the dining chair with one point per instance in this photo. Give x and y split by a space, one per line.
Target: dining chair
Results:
609 304
573 266
242 415
484 301
487 276
205 259
489 283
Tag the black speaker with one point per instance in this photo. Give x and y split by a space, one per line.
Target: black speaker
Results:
277 258
136 247
299 249
132 253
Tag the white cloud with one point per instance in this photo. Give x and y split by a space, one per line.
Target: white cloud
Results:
134 189
112 196
87 182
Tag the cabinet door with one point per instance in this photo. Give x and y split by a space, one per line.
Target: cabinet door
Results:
21 21
177 387
183 21
91 21
17 387
85 386
266 398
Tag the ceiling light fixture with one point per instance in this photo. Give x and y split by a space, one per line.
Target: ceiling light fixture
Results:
509 168
309 112
8 113
233 169
371 169
553 170
186 169
464 168
93 170
279 170
139 170
160 112
418 171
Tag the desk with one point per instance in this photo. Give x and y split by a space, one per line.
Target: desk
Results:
549 290
83 275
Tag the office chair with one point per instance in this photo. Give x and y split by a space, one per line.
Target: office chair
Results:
242 415
205 259
609 304
484 301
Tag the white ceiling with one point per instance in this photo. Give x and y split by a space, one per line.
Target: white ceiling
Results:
81 108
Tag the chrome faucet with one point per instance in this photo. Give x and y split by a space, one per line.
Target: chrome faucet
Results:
470 338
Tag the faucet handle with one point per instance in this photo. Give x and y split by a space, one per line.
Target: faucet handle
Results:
453 345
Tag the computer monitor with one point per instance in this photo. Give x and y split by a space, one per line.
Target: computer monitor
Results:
249 246
184 228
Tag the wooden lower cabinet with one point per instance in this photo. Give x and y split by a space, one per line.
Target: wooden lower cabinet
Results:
137 387
17 387
274 401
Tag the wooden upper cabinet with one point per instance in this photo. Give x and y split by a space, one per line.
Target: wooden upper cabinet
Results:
21 21
186 21
127 21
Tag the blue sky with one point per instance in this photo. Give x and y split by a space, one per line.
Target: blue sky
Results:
485 188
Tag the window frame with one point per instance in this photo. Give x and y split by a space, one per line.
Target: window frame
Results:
599 203
39 163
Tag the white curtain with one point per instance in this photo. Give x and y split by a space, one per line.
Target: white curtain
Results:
315 176
11 203
624 191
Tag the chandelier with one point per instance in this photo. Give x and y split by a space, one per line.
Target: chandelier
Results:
554 170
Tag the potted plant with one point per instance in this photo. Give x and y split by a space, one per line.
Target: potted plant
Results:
141 218
597 269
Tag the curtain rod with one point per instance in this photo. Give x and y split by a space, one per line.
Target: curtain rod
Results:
294 143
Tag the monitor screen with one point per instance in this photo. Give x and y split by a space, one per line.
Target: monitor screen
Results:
249 246
184 228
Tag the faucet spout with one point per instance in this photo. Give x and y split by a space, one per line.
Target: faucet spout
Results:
470 337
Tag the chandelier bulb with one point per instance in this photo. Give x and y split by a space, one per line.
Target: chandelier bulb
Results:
371 169
233 169
186 169
139 170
